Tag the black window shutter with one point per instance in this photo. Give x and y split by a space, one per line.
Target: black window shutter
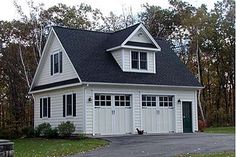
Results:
74 104
41 101
49 107
64 105
51 64
60 57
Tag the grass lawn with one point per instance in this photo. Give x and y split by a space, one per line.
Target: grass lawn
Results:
222 154
223 130
56 147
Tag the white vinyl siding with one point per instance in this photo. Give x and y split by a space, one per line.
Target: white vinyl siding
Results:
57 108
136 93
118 56
44 70
140 36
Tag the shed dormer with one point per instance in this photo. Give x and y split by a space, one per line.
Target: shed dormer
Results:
137 52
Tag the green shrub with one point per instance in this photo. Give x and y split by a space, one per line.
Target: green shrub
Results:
65 129
51 133
28 131
43 129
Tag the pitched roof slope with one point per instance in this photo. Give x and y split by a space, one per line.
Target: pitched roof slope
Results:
87 51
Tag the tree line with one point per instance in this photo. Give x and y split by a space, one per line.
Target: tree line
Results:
203 39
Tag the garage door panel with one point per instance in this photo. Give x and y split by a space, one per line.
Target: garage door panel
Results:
116 118
157 114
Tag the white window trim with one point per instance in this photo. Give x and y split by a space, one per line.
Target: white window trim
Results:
139 70
45 97
56 52
70 116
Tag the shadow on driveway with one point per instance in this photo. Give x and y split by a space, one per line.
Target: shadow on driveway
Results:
163 145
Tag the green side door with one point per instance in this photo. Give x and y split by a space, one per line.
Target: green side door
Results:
187 116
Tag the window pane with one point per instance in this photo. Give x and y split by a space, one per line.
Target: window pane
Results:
148 103
143 98
170 98
170 104
96 97
143 65
122 103
127 103
153 98
56 65
161 103
69 105
116 97
108 103
148 98
134 55
108 97
127 98
160 98
153 103
102 103
45 107
165 104
122 97
134 64
96 103
143 103
165 98
143 56
102 97
117 103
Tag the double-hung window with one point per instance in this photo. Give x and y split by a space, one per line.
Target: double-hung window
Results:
139 60
56 63
69 105
45 107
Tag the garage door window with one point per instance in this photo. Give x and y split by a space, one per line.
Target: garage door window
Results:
148 100
122 100
166 101
102 100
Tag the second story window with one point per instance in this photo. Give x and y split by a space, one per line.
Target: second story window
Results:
56 63
139 60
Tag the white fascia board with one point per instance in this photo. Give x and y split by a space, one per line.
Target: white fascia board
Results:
114 48
67 55
54 88
143 85
140 48
42 56
147 33
150 36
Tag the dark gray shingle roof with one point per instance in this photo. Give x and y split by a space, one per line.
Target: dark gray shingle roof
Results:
87 52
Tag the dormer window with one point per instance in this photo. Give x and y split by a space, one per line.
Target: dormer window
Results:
139 60
56 63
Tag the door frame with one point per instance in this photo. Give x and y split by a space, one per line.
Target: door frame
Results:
190 101
113 93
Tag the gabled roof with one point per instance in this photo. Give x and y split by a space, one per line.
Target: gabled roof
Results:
87 52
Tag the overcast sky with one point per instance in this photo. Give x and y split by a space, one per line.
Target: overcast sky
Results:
8 11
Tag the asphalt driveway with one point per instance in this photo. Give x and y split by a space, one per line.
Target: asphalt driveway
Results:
163 145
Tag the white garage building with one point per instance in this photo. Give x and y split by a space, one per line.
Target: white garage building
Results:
113 83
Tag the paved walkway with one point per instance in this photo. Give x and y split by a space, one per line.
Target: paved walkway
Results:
163 145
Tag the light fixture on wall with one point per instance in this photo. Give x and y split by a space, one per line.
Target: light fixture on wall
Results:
179 101
90 99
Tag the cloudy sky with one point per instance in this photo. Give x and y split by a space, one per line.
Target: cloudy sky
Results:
8 11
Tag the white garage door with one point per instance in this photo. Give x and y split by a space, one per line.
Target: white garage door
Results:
113 114
157 114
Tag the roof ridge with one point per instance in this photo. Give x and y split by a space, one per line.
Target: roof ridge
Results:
79 29
126 28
